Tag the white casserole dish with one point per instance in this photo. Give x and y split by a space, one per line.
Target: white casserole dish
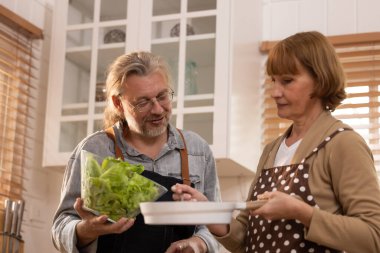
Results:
195 213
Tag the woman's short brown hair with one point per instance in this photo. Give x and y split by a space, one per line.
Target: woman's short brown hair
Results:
316 54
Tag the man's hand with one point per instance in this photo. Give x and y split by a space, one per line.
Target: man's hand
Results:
91 226
191 245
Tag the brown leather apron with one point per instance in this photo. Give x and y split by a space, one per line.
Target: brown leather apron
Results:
149 238
284 235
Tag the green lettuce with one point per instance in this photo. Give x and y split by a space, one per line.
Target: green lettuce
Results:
116 188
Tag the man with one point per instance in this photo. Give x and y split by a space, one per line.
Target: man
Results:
137 129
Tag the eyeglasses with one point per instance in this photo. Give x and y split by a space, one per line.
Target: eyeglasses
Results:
146 104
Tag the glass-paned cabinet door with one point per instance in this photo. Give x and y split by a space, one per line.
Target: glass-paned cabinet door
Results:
80 12
95 35
184 32
90 34
200 123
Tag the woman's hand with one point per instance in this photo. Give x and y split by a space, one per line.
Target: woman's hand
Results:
91 226
182 192
284 206
191 245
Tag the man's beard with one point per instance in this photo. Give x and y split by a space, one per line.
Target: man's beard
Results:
149 131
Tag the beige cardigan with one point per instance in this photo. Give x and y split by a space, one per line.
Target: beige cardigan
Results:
344 184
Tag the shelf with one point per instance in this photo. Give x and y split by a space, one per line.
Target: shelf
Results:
81 59
188 38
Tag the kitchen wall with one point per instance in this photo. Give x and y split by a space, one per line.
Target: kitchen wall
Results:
252 22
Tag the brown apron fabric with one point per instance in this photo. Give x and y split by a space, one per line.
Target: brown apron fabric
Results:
284 235
184 161
111 134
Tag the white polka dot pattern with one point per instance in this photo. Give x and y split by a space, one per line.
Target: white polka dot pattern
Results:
284 235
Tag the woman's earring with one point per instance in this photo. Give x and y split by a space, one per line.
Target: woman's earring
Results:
327 108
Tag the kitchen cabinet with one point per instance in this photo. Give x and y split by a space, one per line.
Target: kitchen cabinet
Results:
192 35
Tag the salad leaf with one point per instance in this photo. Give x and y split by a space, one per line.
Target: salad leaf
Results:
94 169
116 188
110 161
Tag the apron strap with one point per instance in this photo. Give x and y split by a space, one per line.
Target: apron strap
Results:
326 140
183 152
111 134
184 161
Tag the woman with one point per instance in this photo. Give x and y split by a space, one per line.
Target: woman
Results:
322 161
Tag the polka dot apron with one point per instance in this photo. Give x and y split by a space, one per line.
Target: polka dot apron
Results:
282 236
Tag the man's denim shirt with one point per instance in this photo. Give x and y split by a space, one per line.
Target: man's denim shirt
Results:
168 163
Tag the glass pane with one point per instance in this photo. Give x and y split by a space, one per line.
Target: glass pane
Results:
71 134
99 107
115 34
100 90
78 38
201 5
98 125
197 102
76 77
113 9
69 110
201 25
191 77
174 102
175 31
173 120
169 51
164 29
200 66
164 7
80 12
201 123
105 58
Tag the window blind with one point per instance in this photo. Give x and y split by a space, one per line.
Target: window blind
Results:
360 56
17 61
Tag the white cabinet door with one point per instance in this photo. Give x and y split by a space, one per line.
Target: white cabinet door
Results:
192 35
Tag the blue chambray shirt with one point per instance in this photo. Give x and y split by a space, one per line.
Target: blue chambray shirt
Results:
168 163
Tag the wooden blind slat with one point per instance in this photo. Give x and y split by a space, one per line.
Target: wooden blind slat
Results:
365 74
359 116
366 64
271 112
358 53
363 94
14 43
359 105
351 83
